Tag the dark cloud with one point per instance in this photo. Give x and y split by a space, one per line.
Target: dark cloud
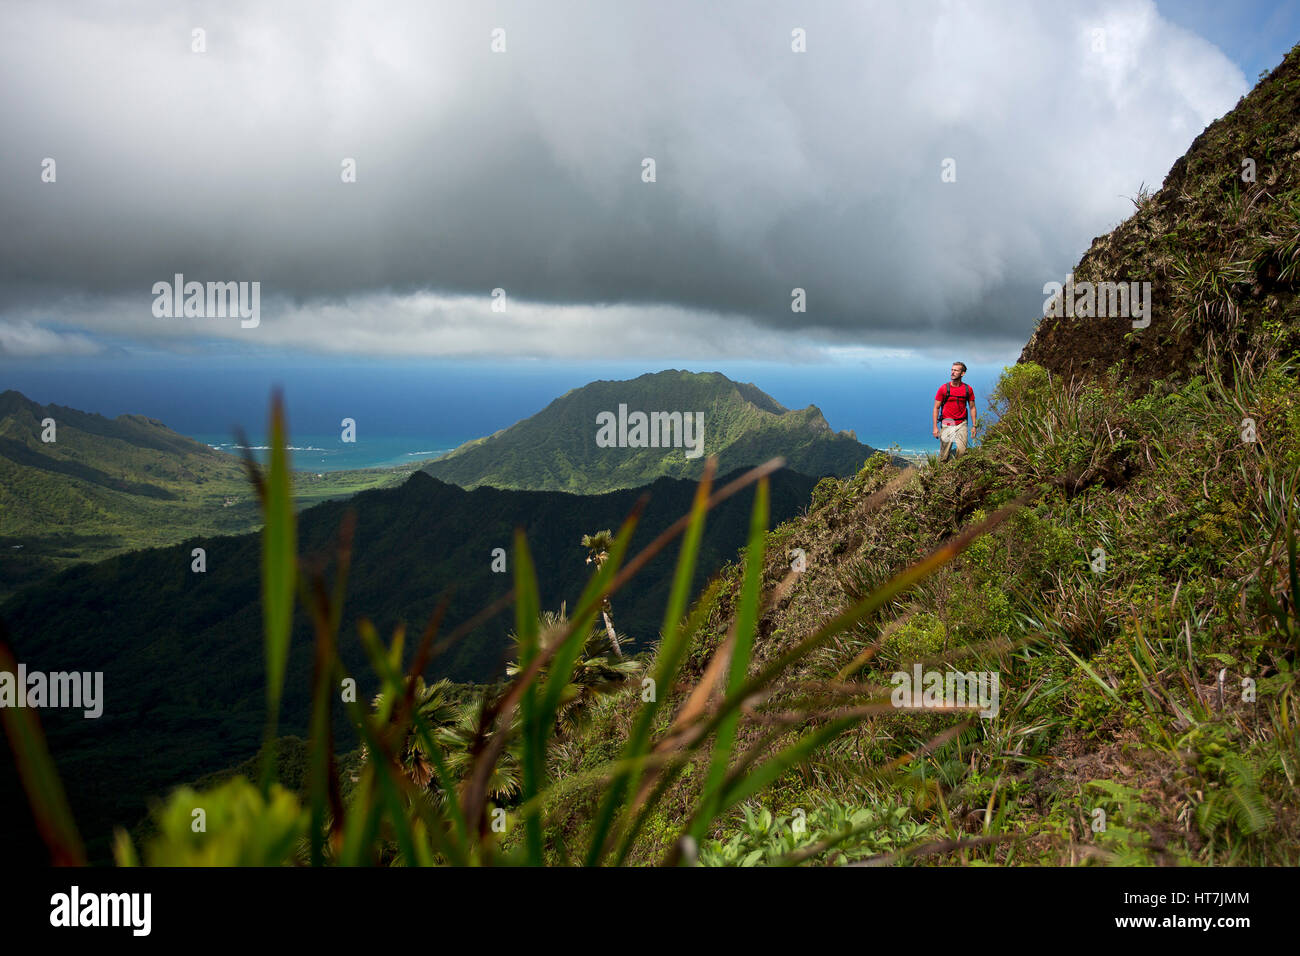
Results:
522 170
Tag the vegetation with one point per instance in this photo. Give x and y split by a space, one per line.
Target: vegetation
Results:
385 819
1148 701
1219 242
765 734
555 450
181 651
106 487
598 546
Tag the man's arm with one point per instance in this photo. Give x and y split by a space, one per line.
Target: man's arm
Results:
935 420
974 416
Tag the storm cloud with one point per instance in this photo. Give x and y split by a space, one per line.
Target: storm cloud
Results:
523 170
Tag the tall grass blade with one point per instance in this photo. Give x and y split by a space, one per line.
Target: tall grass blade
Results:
279 568
669 658
527 609
746 621
38 774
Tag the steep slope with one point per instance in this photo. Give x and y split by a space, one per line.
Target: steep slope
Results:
1137 605
1219 243
557 449
181 652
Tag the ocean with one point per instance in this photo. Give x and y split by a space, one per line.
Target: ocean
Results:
328 453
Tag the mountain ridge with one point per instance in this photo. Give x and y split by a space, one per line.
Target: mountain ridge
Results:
105 486
559 447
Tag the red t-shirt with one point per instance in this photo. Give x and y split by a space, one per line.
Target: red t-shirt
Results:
955 406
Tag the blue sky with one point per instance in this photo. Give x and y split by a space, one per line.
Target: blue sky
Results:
1255 34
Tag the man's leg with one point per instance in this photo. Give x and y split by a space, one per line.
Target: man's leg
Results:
959 438
945 442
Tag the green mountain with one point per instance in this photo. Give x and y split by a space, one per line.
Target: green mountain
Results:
181 652
586 441
104 486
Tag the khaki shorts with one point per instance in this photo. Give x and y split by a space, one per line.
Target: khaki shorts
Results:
952 438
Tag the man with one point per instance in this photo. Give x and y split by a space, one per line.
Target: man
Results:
951 402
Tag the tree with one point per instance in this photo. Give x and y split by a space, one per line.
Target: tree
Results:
598 670
432 702
598 546
453 727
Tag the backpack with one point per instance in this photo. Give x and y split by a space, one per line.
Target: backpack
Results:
947 396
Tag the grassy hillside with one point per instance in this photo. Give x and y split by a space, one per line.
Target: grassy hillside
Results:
557 450
107 486
1121 689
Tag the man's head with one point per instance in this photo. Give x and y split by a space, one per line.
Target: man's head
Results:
958 370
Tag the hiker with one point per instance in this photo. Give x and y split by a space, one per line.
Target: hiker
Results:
950 402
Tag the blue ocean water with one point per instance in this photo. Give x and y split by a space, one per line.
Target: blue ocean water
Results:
329 453
407 410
